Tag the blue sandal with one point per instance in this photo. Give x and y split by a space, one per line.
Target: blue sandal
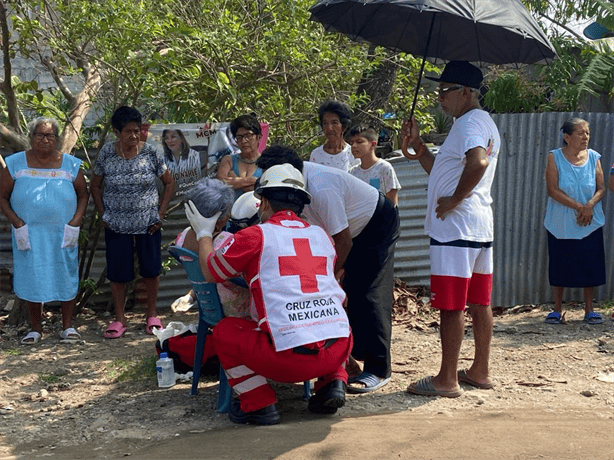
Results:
371 383
593 318
554 317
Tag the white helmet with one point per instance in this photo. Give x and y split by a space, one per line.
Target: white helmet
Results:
283 178
244 212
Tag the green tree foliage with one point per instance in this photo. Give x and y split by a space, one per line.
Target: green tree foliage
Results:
582 67
234 57
97 53
194 61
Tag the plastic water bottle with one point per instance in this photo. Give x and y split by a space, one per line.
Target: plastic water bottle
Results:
165 370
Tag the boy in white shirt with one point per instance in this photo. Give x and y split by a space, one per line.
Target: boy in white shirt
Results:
372 170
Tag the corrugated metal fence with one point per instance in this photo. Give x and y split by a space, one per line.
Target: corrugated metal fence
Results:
519 192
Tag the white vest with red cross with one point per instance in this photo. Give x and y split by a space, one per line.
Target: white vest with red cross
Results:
302 298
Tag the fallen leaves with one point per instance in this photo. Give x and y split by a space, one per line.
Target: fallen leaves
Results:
412 307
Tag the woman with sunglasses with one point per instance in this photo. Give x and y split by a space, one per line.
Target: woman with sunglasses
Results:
239 170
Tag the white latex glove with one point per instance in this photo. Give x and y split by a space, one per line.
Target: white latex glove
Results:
22 237
202 226
71 236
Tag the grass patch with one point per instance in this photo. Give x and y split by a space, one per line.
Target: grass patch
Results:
131 371
12 352
48 378
607 305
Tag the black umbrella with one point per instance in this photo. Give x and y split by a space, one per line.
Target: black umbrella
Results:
480 31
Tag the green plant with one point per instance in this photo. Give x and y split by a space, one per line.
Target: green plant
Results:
607 305
442 122
514 92
48 377
132 371
12 352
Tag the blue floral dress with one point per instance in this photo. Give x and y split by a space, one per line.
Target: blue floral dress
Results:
46 200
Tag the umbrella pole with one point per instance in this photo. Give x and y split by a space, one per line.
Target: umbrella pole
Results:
428 41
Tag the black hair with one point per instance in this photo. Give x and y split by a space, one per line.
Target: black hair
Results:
283 204
277 155
185 147
342 110
249 122
368 132
570 125
124 115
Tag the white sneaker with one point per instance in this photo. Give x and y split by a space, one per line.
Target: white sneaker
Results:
183 303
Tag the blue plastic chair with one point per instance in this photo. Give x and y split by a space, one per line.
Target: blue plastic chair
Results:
209 314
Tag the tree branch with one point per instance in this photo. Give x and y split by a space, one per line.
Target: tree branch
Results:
6 86
53 70
80 106
14 140
562 26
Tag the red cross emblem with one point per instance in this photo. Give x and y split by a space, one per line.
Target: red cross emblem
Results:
304 264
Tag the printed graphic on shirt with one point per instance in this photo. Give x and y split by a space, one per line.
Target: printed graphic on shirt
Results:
227 246
490 147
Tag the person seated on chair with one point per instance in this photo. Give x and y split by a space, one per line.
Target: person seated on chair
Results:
211 196
298 329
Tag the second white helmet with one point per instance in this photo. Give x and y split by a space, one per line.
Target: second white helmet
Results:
244 212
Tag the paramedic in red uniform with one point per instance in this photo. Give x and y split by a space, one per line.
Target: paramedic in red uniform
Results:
298 328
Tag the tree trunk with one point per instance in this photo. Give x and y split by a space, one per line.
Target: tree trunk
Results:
80 105
19 313
377 85
7 87
12 140
11 135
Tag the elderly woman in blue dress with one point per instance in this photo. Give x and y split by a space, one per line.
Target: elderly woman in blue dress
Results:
44 195
574 219
132 213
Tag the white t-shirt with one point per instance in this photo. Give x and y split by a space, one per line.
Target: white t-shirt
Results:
381 176
338 200
343 160
472 220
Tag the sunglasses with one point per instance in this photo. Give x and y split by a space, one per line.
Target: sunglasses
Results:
444 91
245 137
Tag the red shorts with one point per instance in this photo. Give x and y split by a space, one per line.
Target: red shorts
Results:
461 274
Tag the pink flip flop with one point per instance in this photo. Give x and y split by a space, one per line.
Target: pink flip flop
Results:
152 322
114 330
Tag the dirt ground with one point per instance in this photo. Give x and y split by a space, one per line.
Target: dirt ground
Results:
99 398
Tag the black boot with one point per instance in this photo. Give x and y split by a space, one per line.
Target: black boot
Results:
328 398
265 416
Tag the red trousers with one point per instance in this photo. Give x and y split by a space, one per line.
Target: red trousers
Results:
249 358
